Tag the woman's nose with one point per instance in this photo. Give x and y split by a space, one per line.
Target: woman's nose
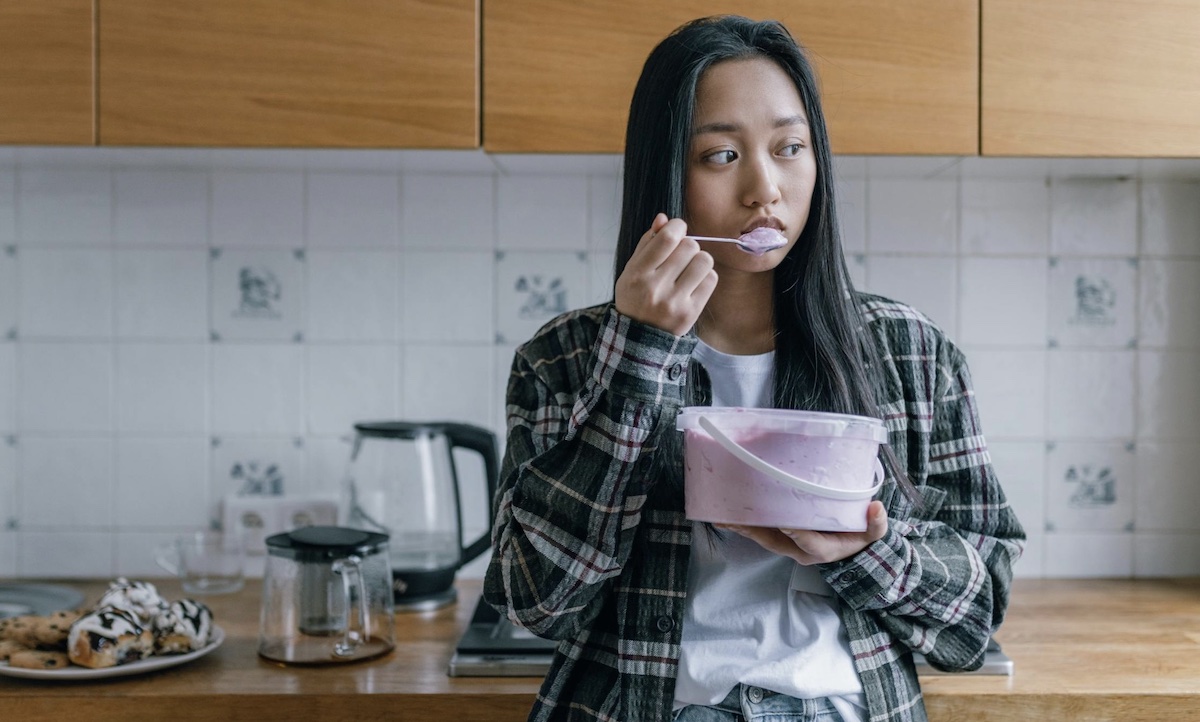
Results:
760 184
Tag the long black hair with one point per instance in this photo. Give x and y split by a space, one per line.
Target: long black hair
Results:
825 360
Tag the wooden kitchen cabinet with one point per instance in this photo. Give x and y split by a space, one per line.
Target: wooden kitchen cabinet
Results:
46 90
897 78
1091 78
280 73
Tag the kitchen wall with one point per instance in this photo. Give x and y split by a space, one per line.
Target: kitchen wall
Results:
179 325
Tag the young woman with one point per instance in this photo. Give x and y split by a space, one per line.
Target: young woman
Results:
660 618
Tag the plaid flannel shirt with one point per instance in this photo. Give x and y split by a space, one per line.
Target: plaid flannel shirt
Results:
591 543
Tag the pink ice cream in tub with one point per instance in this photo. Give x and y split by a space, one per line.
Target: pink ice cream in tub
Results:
780 468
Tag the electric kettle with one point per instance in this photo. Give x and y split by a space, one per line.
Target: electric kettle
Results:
402 481
326 597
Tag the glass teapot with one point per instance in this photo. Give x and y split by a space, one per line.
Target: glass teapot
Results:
402 481
326 597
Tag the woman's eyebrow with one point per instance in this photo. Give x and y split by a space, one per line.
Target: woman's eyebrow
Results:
721 127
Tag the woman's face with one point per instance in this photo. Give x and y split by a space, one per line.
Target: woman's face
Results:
751 161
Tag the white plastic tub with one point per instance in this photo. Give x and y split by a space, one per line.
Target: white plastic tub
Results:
780 468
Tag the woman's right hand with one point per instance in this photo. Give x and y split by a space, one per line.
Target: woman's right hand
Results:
668 279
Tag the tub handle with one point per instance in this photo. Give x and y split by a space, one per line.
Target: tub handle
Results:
808 487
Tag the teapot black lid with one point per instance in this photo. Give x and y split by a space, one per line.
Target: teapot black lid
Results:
325 543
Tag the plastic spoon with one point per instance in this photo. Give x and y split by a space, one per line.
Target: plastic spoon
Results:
758 241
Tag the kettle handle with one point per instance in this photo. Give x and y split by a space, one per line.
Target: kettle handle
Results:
483 442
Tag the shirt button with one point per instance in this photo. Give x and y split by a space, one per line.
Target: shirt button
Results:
675 372
852 576
664 624
755 694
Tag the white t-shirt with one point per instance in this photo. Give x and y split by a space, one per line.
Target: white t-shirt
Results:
755 617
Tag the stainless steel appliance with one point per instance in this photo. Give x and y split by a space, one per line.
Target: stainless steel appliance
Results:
403 481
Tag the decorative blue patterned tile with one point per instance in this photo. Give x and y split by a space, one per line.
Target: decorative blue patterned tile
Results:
257 294
1093 302
1090 486
533 288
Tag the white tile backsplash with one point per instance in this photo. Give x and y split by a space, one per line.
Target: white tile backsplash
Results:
257 388
1010 390
1005 217
1003 301
65 387
1093 217
162 208
1171 218
448 382
65 554
542 212
162 482
66 293
353 295
162 388
1169 394
67 481
851 197
8 207
1170 302
257 209
162 294
8 387
8 292
1090 554
8 481
912 216
927 283
44 194
1168 497
347 384
118 265
449 211
352 210
1090 394
449 296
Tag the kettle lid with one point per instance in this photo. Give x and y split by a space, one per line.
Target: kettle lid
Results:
399 429
325 543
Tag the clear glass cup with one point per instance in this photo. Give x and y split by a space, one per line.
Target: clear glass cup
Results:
206 562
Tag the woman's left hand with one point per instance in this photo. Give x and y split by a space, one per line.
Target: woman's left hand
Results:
817 547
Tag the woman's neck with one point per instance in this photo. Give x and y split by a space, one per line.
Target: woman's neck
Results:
739 318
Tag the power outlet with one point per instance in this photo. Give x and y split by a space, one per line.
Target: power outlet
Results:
258 517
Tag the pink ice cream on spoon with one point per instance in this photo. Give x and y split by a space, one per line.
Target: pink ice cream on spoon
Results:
758 241
761 239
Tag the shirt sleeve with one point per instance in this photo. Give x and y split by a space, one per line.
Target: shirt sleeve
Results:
574 474
939 579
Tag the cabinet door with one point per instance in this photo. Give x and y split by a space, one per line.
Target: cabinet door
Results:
46 72
1091 78
895 77
320 73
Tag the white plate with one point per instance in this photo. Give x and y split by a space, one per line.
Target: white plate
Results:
142 666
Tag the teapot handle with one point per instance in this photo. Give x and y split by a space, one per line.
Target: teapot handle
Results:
483 442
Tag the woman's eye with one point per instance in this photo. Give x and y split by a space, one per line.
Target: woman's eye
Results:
721 157
792 149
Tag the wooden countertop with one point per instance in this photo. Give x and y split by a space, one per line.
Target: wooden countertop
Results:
1082 649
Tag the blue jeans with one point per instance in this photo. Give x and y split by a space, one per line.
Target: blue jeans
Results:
754 704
